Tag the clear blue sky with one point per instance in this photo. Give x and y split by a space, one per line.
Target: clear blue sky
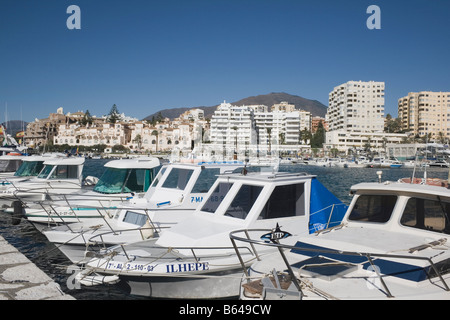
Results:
146 55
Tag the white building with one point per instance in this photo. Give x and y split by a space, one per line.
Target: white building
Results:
105 133
357 106
353 142
252 130
355 118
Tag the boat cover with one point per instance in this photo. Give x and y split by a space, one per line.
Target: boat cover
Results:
322 204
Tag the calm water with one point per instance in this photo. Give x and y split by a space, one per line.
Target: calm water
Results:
47 257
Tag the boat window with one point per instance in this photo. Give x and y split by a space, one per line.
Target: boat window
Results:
65 172
178 178
111 181
138 180
243 201
136 218
29 169
46 171
116 180
427 214
10 165
285 201
158 176
205 180
216 197
373 208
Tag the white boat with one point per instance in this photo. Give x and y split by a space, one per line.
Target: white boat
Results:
9 163
60 175
29 168
176 192
195 259
392 244
438 164
381 162
122 180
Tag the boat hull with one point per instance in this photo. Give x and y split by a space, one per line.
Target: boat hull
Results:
219 285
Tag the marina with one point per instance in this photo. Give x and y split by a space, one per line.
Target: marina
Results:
46 255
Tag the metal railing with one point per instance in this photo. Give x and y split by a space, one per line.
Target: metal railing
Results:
368 255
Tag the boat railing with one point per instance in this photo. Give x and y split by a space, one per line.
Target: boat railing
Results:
175 250
370 256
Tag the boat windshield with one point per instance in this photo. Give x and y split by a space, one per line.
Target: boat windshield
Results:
178 178
216 197
10 165
427 214
205 180
60 172
285 201
373 208
29 169
243 201
116 180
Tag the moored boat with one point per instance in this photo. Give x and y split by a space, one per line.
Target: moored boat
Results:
392 243
122 180
195 259
176 192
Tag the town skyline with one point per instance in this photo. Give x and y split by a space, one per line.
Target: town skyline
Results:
148 55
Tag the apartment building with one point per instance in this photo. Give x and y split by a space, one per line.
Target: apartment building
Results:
356 106
426 112
355 118
255 128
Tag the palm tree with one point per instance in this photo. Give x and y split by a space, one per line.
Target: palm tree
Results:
138 141
269 131
156 133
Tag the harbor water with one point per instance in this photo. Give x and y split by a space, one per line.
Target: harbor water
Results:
49 259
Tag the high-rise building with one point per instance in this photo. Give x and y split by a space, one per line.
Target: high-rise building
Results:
255 127
355 118
357 106
426 112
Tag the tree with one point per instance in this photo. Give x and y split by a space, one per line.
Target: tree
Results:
114 115
319 137
87 118
305 135
138 141
393 125
159 117
156 133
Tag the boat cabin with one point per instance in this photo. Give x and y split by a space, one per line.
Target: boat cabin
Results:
237 201
177 186
128 175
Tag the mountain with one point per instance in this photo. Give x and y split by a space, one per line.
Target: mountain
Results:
315 107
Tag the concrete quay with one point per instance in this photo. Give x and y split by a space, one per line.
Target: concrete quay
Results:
20 279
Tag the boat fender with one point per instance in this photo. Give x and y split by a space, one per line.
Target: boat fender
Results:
17 213
90 181
85 278
147 231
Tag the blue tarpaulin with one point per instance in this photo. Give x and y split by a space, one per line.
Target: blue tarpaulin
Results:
322 204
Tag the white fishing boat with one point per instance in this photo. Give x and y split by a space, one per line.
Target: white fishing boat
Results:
122 180
60 175
195 259
29 168
392 244
176 192
9 163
